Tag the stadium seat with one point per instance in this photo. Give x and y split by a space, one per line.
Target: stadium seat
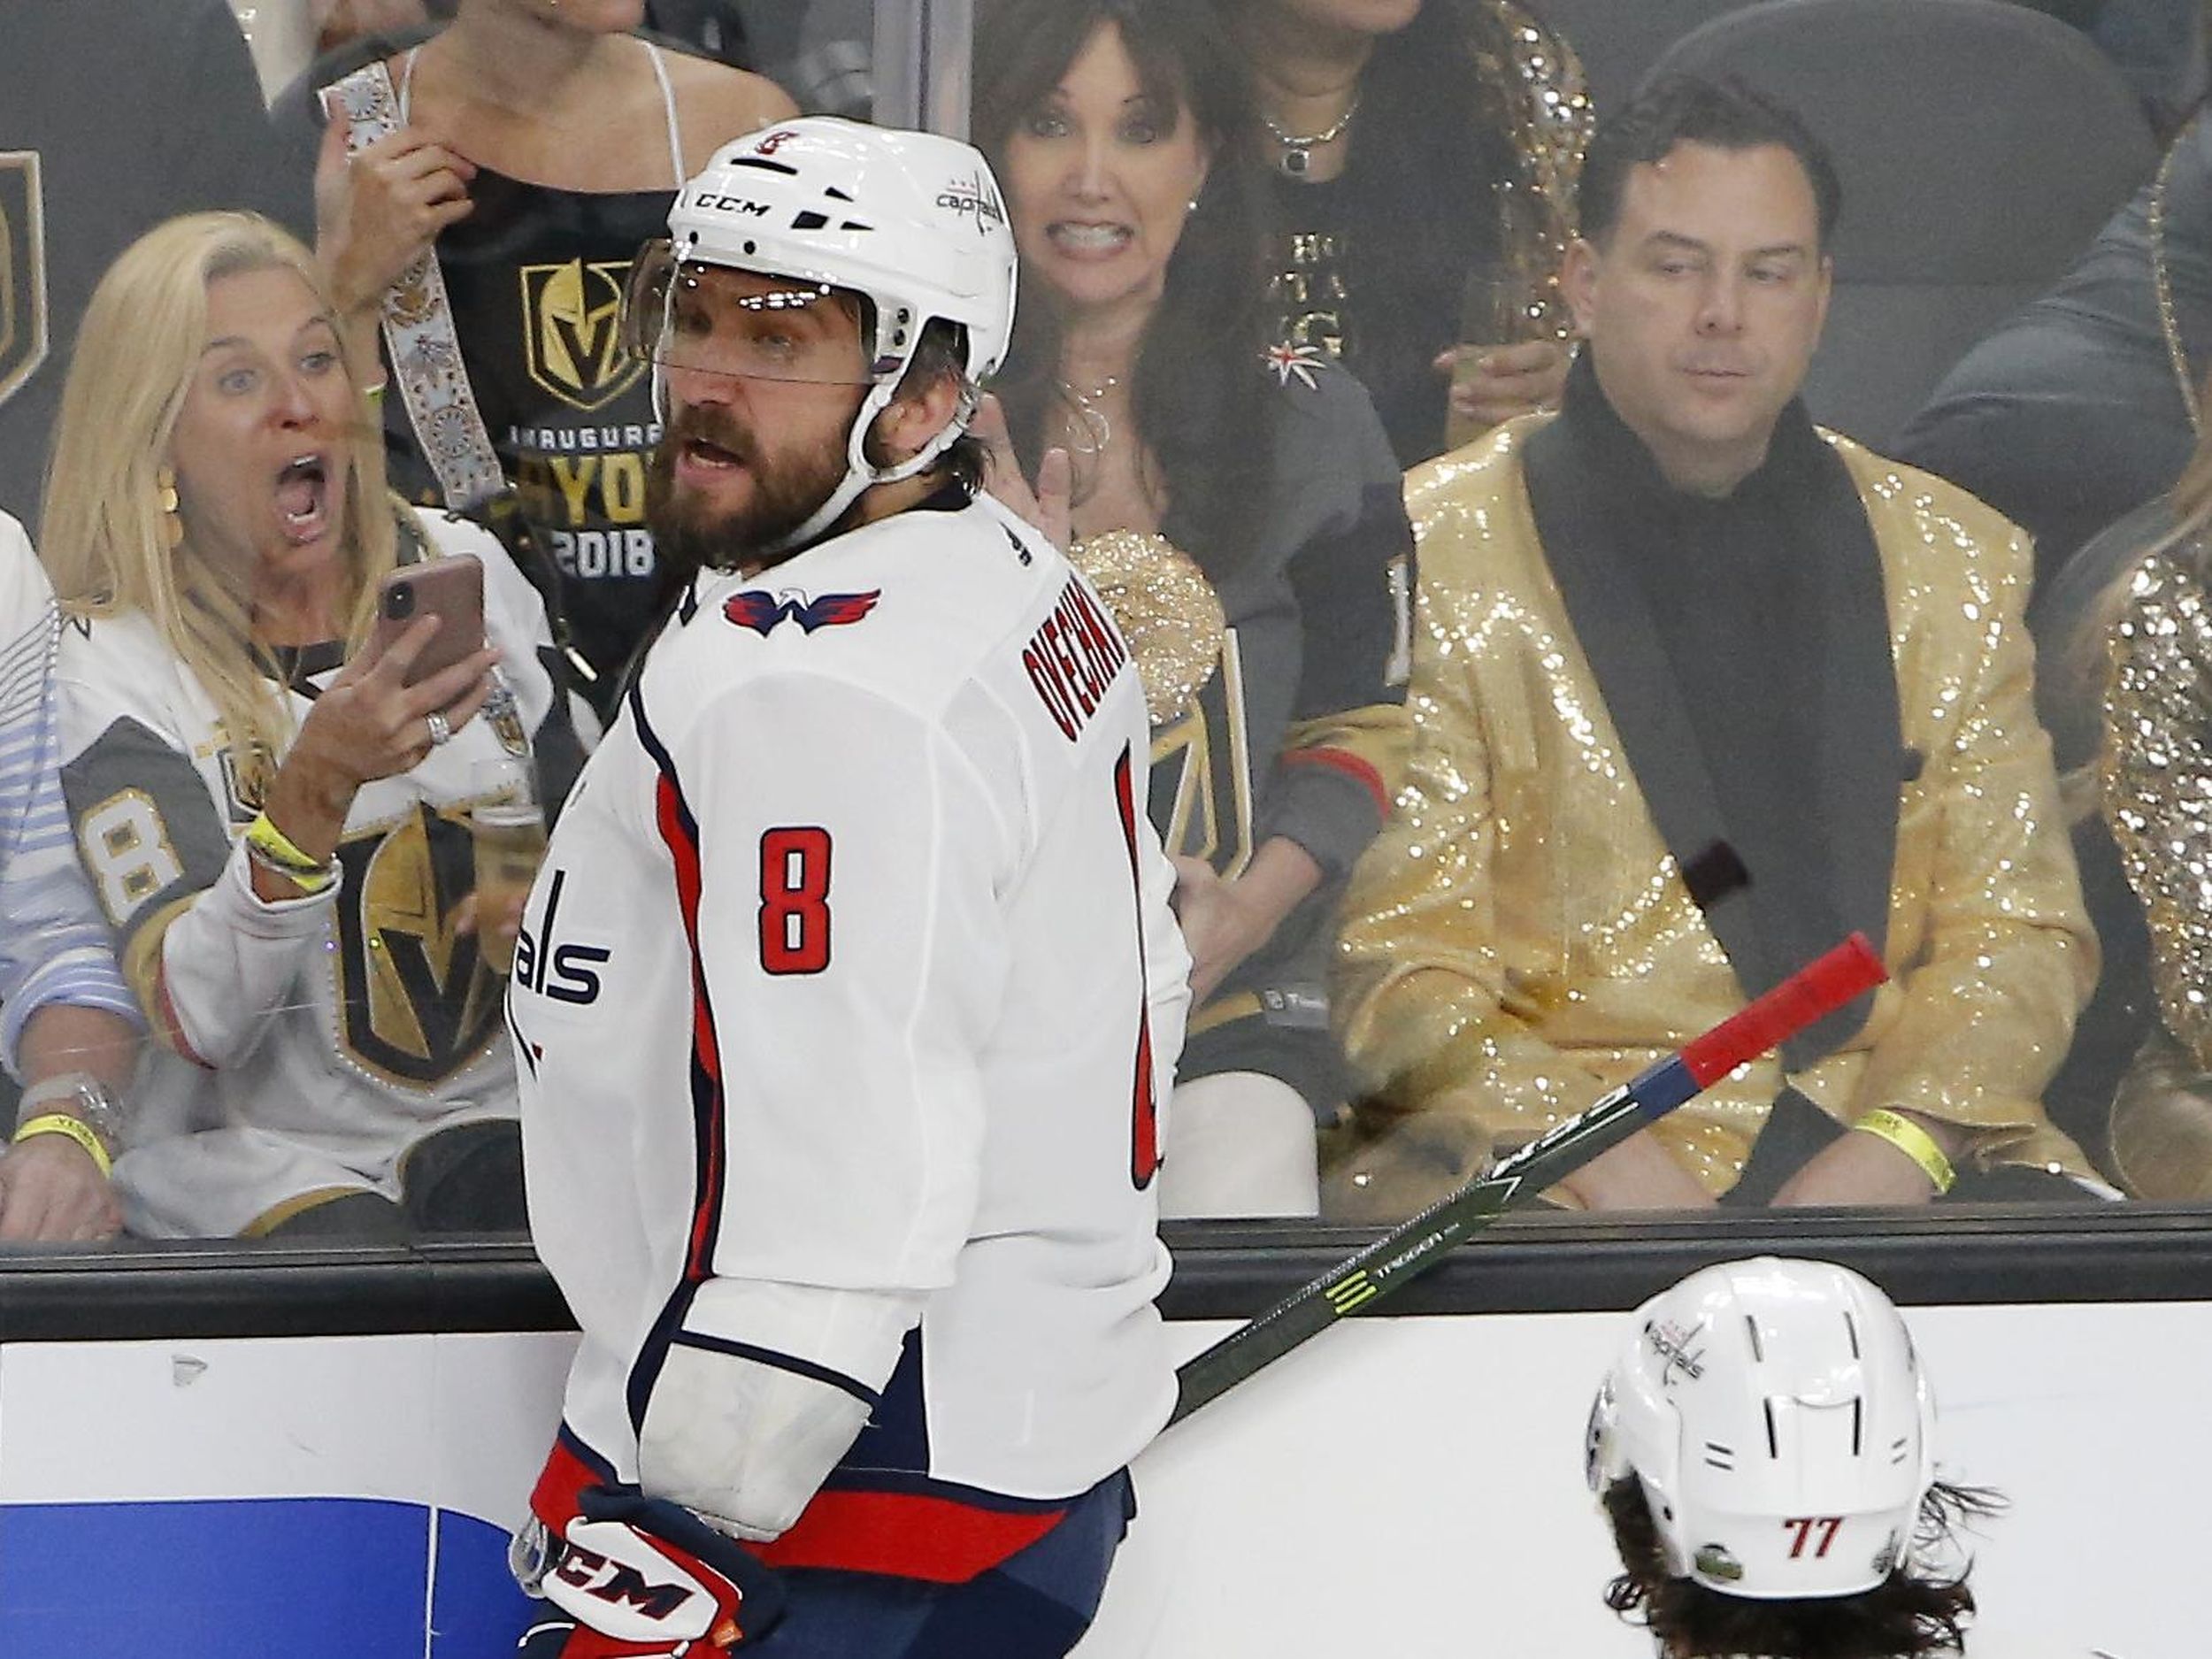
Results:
1981 144
1617 40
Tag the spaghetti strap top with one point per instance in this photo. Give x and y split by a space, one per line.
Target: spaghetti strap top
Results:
660 73
535 277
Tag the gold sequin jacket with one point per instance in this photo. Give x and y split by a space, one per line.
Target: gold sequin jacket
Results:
2157 778
1519 939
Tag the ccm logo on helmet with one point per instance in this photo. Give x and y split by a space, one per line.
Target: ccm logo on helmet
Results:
731 204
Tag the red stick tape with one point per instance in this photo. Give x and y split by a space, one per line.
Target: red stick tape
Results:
1820 988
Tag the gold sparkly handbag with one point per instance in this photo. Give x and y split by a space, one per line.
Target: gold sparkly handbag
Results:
1166 610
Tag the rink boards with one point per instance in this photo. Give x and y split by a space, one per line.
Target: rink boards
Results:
1406 1486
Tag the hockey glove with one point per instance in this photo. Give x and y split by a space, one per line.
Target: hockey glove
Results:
642 1577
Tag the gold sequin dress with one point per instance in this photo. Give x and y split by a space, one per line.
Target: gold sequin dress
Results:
1519 939
2156 778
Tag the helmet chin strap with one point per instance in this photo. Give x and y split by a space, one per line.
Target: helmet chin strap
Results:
861 475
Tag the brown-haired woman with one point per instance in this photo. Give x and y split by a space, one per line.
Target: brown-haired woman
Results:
1237 500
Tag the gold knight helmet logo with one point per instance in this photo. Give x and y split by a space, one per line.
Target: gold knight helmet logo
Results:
571 326
418 1002
22 270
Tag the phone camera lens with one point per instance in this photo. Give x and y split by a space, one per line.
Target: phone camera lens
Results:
400 601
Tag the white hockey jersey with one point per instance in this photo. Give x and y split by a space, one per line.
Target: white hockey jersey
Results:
305 1045
850 965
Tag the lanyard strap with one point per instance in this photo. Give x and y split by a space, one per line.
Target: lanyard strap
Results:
418 337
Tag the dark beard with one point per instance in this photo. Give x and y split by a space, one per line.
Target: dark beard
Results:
690 538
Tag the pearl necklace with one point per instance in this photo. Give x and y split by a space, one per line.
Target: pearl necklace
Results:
1297 158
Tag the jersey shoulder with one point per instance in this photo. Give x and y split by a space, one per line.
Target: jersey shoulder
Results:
911 609
114 666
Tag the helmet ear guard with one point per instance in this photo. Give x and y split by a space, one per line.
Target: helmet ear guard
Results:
1777 1417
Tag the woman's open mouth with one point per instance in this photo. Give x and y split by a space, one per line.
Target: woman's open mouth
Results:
302 497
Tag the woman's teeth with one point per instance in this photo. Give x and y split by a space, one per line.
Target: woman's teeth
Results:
1090 238
301 493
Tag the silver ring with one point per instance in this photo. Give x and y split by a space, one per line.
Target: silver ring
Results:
440 732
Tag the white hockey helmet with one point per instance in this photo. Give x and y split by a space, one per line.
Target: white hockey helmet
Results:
913 223
1780 1424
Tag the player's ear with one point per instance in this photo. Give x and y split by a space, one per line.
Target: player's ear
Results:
921 410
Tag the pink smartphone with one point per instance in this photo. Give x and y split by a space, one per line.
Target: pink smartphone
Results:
449 589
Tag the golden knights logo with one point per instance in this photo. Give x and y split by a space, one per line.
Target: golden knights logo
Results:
22 270
1202 771
572 329
417 1003
244 779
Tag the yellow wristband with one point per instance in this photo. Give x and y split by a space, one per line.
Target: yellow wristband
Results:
1914 1142
77 1129
264 833
274 850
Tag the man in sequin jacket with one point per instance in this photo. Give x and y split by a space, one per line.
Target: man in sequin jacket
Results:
1699 689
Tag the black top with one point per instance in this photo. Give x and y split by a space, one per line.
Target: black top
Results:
114 116
1369 266
535 277
1742 649
1724 581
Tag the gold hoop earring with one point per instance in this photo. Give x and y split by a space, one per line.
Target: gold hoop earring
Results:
165 498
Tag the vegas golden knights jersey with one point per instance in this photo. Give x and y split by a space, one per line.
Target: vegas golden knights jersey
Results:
303 1046
1301 730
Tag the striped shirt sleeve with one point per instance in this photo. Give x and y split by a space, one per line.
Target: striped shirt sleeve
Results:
54 944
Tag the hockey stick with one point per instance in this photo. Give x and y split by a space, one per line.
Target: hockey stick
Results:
1418 1244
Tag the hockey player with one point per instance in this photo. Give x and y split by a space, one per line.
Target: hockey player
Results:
1764 1449
849 992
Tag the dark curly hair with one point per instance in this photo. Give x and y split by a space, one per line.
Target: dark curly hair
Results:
1210 438
1903 1617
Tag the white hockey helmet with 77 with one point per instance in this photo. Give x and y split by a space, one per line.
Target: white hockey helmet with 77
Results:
912 223
1778 1418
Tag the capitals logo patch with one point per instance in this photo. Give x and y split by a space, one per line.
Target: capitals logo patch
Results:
762 612
22 270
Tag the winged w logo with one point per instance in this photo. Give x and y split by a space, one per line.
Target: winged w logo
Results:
762 612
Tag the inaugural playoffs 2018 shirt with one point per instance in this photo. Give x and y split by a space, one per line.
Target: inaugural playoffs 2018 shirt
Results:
850 965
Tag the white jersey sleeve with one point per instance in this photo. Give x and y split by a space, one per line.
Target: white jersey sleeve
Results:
212 964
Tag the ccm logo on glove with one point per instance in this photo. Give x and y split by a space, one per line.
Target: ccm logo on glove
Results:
622 1585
